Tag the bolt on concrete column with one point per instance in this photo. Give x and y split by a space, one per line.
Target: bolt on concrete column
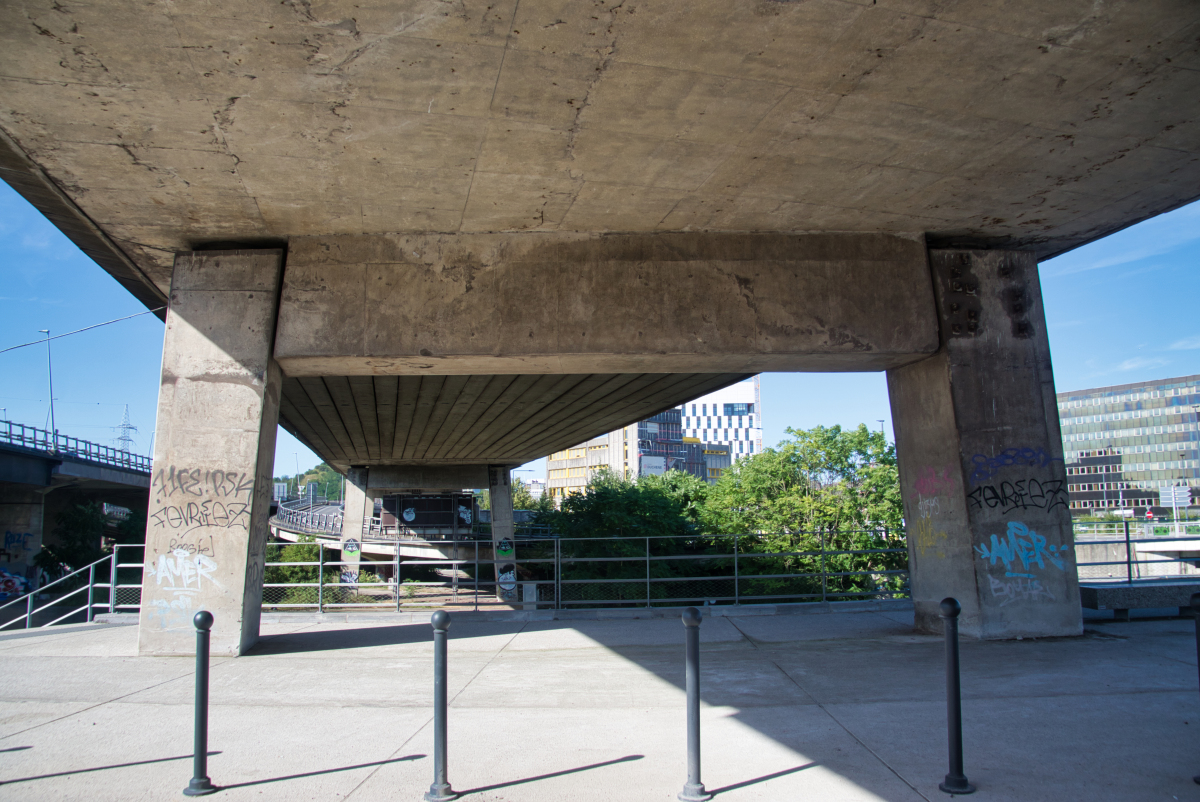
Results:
360 506
218 407
980 455
503 543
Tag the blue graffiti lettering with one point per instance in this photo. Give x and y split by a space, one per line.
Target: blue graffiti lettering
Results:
1024 545
985 467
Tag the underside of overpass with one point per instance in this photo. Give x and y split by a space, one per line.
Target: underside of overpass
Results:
428 235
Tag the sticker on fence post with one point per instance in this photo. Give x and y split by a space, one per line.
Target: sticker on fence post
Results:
506 572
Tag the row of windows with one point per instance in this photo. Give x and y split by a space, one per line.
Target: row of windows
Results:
1128 398
1071 435
569 473
1136 467
1132 414
727 409
707 422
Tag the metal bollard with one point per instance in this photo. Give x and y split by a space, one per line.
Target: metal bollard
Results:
693 789
200 784
956 781
1196 610
440 791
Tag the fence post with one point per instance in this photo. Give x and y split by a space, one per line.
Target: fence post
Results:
647 572
693 789
476 576
824 574
440 790
557 574
956 781
737 597
29 610
112 582
1128 557
1196 612
320 578
396 575
91 590
200 784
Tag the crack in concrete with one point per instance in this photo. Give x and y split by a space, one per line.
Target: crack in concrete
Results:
606 57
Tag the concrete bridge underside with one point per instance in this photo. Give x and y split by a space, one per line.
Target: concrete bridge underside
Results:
434 241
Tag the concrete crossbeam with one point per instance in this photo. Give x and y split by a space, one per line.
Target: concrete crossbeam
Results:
566 303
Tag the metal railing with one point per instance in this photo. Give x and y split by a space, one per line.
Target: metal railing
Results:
19 434
102 576
1137 552
297 515
561 573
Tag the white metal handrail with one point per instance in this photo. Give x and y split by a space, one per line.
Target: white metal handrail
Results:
90 604
19 434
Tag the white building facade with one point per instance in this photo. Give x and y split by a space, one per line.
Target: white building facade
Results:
731 417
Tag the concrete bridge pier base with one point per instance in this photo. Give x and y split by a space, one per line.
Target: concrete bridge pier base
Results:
359 506
22 512
980 455
503 532
218 407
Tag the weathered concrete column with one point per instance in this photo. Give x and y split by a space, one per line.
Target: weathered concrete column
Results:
214 451
980 455
360 503
503 546
21 517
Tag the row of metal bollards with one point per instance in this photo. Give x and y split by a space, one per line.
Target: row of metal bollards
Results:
693 789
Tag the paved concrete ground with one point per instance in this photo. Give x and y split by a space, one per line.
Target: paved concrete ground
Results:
834 707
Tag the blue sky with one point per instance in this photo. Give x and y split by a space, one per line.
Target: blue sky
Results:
1122 309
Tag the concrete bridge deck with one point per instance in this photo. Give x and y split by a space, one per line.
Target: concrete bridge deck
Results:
846 707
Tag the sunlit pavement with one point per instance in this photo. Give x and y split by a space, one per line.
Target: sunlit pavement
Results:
844 706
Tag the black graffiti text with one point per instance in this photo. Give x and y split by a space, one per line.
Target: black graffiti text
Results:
204 513
1022 495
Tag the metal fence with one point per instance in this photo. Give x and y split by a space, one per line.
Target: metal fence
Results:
19 434
1137 551
562 573
107 586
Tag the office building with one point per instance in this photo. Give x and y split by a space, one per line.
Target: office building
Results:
703 437
1122 444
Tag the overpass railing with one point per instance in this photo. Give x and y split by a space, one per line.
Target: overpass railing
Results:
94 587
1133 552
19 434
298 515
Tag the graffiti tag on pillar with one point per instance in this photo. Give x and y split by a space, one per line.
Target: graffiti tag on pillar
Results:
176 481
504 549
17 541
507 581
1021 495
1019 589
351 546
184 576
931 482
984 467
1025 546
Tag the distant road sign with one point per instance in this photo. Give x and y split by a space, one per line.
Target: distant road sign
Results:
1174 496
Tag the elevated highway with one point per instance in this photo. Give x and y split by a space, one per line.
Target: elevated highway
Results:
44 473
434 241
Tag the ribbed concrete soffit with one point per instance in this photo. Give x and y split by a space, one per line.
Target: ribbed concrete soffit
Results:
1026 124
429 420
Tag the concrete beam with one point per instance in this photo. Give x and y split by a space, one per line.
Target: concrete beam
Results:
980 453
567 303
218 404
384 479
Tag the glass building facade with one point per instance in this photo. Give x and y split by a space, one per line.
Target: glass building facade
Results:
1122 444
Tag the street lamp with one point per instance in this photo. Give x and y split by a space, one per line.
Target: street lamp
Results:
50 375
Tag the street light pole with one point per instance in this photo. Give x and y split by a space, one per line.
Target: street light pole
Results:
50 376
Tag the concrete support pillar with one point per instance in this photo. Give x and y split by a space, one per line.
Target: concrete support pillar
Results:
214 451
21 517
503 545
981 463
360 505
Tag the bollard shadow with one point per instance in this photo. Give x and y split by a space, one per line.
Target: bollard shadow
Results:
319 772
774 776
311 641
481 789
16 748
94 768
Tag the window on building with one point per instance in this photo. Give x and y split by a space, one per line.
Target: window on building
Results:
739 409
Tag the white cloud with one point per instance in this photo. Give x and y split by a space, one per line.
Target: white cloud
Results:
1142 362
1186 344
